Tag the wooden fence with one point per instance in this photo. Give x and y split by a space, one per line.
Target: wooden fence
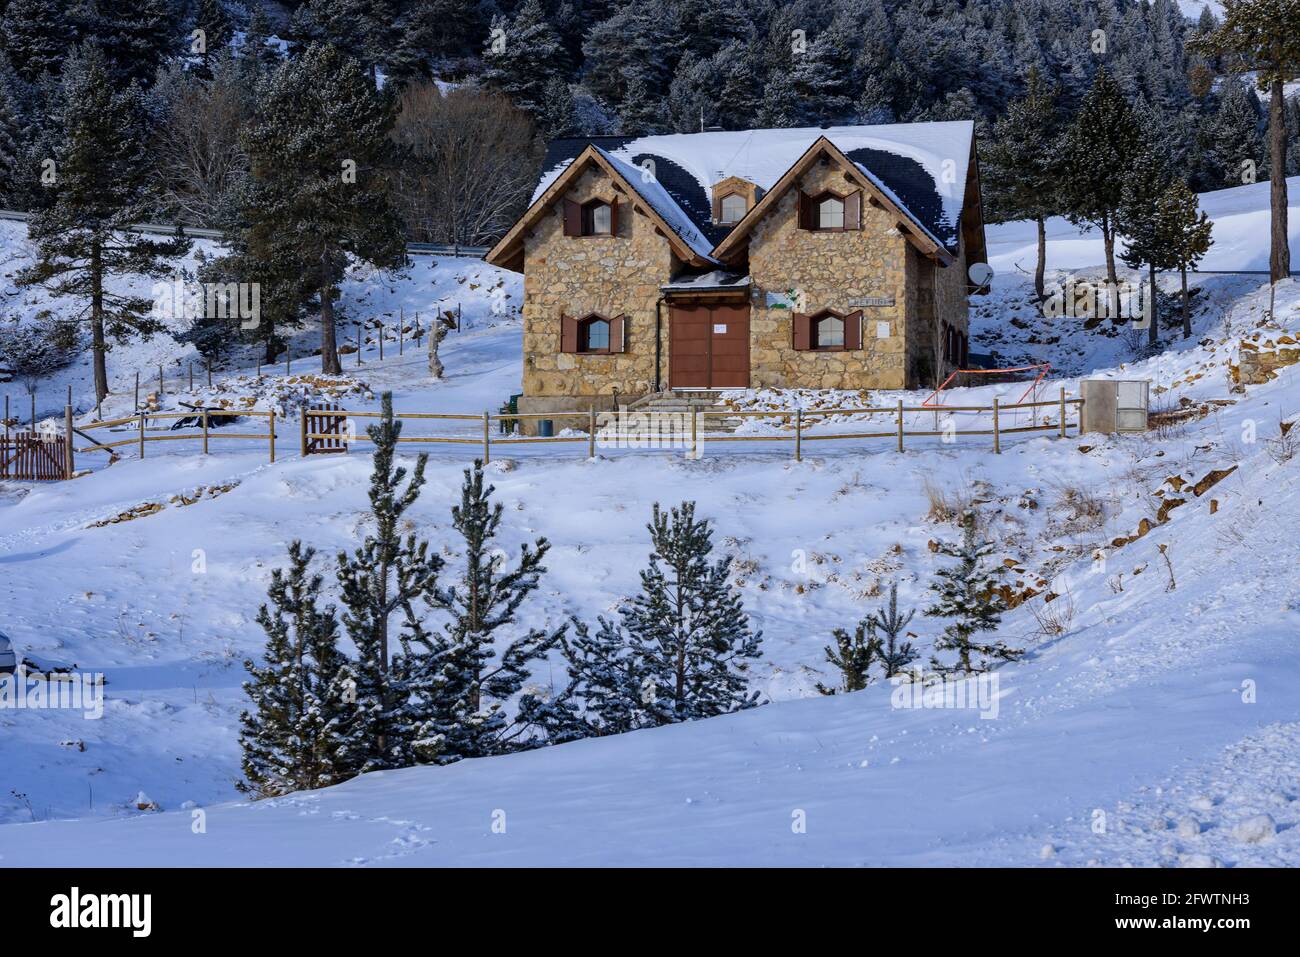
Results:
695 434
138 427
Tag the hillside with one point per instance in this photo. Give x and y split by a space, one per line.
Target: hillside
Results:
815 543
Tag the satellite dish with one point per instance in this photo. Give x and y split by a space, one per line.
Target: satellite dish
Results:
981 274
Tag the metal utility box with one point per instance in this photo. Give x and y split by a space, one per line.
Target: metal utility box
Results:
1115 405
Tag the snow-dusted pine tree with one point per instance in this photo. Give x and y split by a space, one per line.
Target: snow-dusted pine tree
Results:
966 596
101 184
895 653
294 736
853 655
387 574
457 680
687 628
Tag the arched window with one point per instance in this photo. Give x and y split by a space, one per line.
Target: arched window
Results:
828 332
733 208
593 335
830 213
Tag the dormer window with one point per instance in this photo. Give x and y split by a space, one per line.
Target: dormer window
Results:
596 217
733 197
830 212
593 335
733 208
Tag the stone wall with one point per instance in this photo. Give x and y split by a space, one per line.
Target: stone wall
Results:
935 294
577 275
830 270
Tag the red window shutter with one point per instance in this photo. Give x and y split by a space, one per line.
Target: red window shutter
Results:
572 218
853 210
613 218
801 325
806 211
853 330
618 334
568 334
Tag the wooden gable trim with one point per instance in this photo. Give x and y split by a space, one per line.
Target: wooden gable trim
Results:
508 252
822 149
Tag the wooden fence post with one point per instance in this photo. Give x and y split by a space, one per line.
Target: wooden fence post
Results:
401 331
358 344
6 417
997 439
271 419
487 437
160 380
381 340
67 437
287 360
1062 411
798 435
137 389
205 431
33 410
900 425
591 433
209 373
302 430
695 447
191 365
142 418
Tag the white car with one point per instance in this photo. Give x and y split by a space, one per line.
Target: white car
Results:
8 660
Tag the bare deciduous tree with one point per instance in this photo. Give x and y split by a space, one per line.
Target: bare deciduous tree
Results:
470 164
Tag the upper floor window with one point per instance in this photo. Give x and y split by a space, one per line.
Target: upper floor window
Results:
733 208
830 211
596 217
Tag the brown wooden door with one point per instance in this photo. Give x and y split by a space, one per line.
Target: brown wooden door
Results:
709 347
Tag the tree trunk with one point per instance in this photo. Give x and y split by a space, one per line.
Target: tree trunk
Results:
329 352
1187 310
1040 270
1279 258
99 346
1153 329
1108 240
270 354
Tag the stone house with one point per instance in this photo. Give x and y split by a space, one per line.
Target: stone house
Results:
809 258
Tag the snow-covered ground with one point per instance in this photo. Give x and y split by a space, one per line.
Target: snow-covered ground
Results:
1158 726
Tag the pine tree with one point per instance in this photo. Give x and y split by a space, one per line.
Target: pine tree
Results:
294 736
1145 228
1232 136
460 681
1265 34
258 58
524 58
687 627
210 17
895 653
965 595
319 196
102 186
1023 165
388 573
1102 145
854 655
37 36
135 36
1189 235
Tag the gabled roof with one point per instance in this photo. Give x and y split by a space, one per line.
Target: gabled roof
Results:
922 168
681 232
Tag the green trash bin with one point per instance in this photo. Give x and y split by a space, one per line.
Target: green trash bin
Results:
545 428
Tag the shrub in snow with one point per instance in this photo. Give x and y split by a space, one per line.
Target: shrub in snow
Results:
1255 829
853 655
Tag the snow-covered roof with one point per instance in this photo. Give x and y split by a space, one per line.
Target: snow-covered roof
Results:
714 279
652 191
922 166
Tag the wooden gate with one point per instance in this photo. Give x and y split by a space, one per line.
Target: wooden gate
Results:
32 456
323 434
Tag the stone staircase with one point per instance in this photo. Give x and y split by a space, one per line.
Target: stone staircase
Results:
682 402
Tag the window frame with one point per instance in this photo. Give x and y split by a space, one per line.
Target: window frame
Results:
589 217
584 327
810 217
722 207
815 320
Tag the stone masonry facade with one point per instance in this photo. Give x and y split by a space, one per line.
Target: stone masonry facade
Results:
900 291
